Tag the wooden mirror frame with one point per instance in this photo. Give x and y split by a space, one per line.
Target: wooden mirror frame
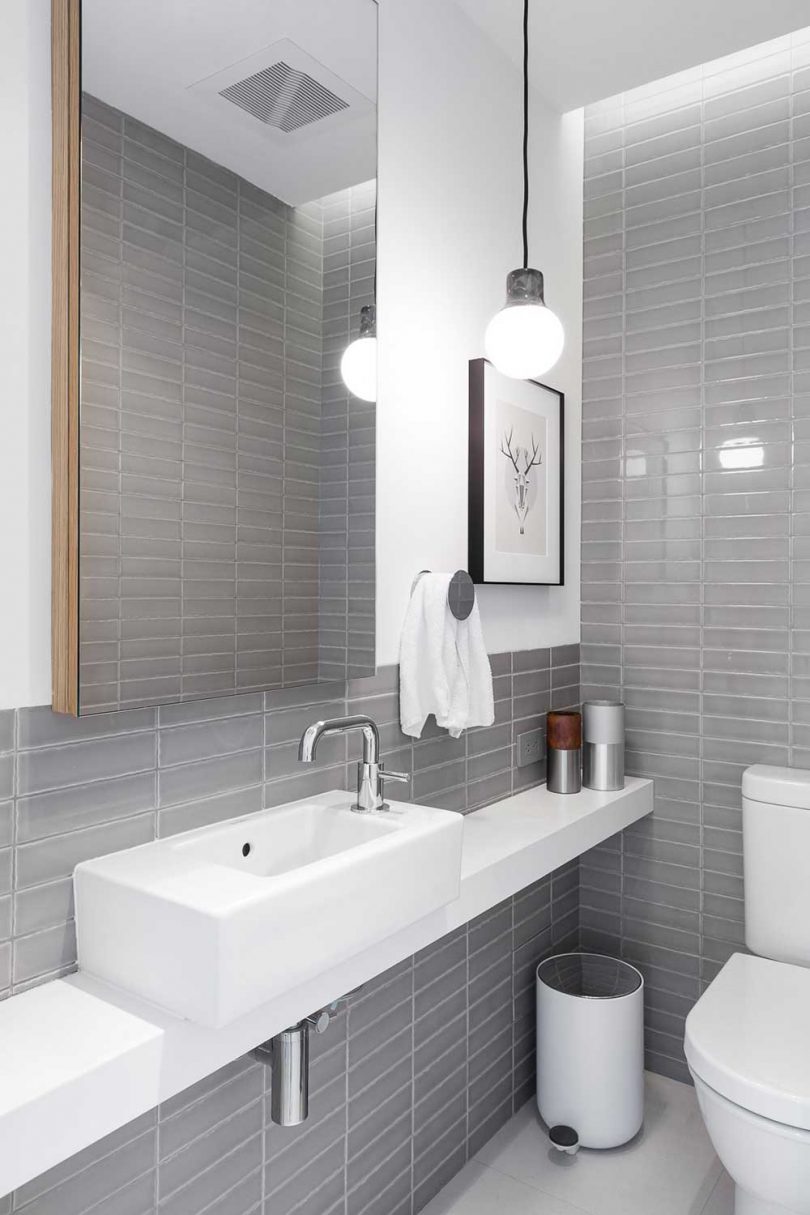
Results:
66 127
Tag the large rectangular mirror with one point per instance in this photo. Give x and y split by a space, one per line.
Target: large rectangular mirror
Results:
226 201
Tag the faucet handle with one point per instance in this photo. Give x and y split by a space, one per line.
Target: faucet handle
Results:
403 777
370 786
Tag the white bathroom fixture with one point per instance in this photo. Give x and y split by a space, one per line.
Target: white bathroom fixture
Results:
214 922
80 1058
525 339
747 1039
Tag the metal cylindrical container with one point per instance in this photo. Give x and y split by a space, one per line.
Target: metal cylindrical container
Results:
590 1047
564 752
290 1084
603 744
564 771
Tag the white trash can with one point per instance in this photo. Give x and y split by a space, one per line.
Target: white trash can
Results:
590 1050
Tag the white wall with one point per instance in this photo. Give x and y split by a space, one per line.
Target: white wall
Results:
25 252
449 230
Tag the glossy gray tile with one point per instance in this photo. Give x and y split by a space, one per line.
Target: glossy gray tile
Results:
200 403
690 582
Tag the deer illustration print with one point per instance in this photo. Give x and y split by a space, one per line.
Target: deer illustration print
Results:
519 457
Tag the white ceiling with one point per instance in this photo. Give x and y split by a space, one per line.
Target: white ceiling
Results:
585 50
143 56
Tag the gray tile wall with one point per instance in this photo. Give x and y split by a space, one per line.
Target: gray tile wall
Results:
347 599
695 506
209 319
430 1058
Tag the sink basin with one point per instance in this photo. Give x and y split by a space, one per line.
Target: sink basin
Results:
212 923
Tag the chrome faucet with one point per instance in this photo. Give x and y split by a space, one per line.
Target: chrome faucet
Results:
371 773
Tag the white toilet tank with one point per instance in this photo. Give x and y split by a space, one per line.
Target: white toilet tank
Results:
776 862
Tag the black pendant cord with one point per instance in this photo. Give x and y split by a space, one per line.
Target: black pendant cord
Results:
525 134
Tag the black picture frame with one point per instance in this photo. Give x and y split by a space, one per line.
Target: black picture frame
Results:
483 377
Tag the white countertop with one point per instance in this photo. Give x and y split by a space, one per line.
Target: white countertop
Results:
79 1059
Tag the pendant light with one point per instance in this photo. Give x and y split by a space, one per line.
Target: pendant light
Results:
358 367
525 339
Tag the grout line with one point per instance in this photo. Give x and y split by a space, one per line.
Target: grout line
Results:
554 1199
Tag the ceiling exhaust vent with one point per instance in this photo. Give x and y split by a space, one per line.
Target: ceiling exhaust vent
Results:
284 98
289 97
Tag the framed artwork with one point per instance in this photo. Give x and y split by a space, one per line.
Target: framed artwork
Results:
516 460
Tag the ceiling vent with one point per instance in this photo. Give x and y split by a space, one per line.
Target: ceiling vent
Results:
288 91
284 98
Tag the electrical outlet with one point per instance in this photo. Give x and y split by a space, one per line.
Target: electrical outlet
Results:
530 748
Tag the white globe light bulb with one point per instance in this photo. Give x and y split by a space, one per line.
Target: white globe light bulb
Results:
358 367
525 339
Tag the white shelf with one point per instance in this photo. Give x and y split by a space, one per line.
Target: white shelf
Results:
79 1059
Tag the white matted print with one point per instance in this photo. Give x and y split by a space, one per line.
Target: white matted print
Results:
516 479
521 512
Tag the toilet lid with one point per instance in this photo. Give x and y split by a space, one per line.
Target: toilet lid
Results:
748 1037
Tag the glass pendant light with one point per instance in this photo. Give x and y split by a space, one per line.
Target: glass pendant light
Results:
358 367
525 339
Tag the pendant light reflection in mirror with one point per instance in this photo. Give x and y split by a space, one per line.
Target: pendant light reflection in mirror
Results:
358 366
525 339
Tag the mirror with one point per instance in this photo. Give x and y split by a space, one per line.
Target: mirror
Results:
227 204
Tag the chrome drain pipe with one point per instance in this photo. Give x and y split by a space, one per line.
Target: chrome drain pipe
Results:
289 1061
287 1056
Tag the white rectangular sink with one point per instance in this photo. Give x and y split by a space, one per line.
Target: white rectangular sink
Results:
212 923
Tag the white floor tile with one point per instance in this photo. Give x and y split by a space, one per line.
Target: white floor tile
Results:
478 1190
669 1169
721 1201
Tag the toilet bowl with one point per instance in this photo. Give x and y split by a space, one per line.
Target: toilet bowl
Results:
748 1048
768 1162
747 1039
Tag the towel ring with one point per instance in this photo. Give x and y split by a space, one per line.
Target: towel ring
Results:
460 593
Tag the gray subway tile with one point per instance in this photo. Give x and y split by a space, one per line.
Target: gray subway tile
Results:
94 1174
191 781
50 950
7 730
41 727
75 763
48 859
301 1148
221 1175
70 809
662 865
200 1117
531 660
231 734
233 803
287 725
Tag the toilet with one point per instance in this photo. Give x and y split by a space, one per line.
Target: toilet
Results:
747 1039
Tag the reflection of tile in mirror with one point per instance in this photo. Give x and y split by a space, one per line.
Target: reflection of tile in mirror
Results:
227 525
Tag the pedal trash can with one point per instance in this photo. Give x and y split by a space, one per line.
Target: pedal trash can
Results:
590 1050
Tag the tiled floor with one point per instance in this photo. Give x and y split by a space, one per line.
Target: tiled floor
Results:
668 1169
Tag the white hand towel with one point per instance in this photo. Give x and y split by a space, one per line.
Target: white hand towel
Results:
443 663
